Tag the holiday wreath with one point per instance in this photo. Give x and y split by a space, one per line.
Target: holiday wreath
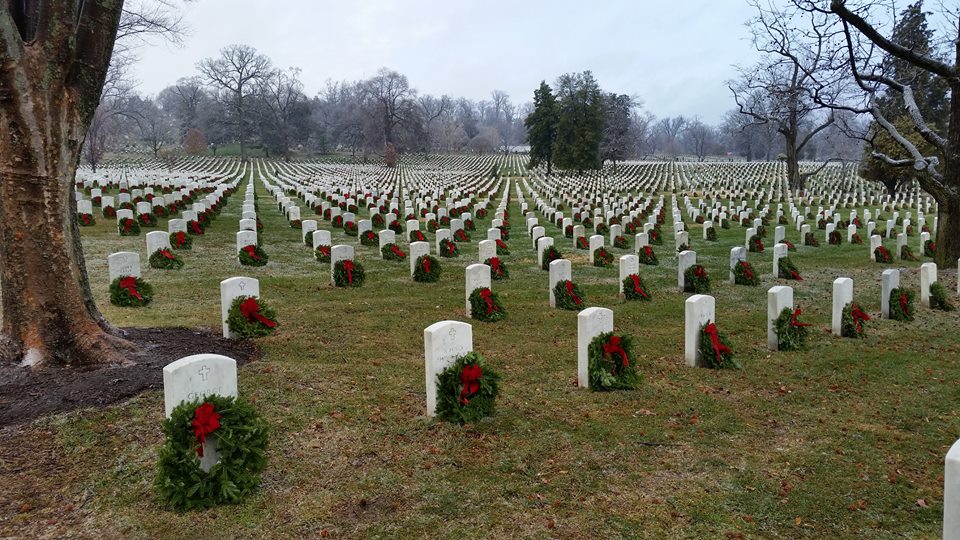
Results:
787 269
322 253
647 256
791 333
164 259
485 305
901 304
634 288
250 317
130 291
851 321
449 249
743 274
610 363
883 255
939 297
696 280
568 295
252 255
180 240
715 348
348 273
392 252
467 390
550 254
128 227
426 269
498 269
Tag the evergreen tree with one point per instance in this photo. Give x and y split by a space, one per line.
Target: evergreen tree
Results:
542 126
581 121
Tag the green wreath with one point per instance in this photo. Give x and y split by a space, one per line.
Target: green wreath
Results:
787 269
635 289
810 240
461 236
756 244
743 274
322 253
251 320
86 220
851 326
350 228
449 249
906 254
128 227
181 240
498 269
610 364
109 212
939 297
252 256
620 242
882 255
835 238
582 243
416 236
549 255
602 258
164 259
147 220
711 234
696 280
647 256
368 238
426 269
392 252
722 359
351 275
241 437
901 305
568 295
791 333
467 390
502 247
930 249
130 291
485 305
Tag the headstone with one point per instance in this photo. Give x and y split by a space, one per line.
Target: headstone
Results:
385 237
321 238
875 242
928 276
486 249
307 227
157 240
737 254
842 295
417 249
889 280
123 263
685 260
779 252
591 322
443 343
560 270
246 238
340 252
596 242
230 289
477 276
248 225
629 264
778 298
699 309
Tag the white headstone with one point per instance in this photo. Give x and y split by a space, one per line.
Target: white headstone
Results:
487 249
591 322
443 343
737 254
778 298
339 252
889 280
685 260
477 276
543 243
157 240
842 295
928 276
629 264
560 270
321 238
417 249
230 289
699 309
123 263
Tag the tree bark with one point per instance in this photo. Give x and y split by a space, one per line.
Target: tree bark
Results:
49 89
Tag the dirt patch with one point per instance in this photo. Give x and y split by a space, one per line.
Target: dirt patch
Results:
27 394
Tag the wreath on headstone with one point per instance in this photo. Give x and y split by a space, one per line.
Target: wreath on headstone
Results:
791 332
582 243
109 212
461 236
485 305
338 222
350 228
835 238
635 289
164 259
241 437
395 227
250 317
602 228
377 220
696 280
568 295
655 237
756 244
550 254
790 246
711 234
647 256
369 238
568 231
449 249
348 273
467 390
128 227
426 269
810 240
180 240
147 220
715 348
392 252
856 239
851 321
252 255
130 291
743 274
610 363
683 247
787 269
194 227
481 213
322 253
939 297
930 249
502 247
906 254
417 236
901 304
86 220
498 269
620 242
883 255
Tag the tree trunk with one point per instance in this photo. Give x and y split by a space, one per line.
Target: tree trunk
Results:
45 108
794 180
948 234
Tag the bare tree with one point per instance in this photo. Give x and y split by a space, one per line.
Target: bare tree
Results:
699 138
392 100
237 72
431 110
284 103
667 133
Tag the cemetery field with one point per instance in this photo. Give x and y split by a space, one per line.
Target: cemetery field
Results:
846 439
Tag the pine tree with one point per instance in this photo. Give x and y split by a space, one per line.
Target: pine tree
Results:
581 120
542 127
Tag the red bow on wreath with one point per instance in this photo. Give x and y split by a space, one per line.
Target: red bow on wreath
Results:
858 316
747 271
487 296
195 227
252 252
348 266
795 319
904 304
795 275
205 422
719 348
130 284
699 272
396 251
451 247
501 244
648 251
576 299
636 286
426 265
180 238
250 309
325 251
470 379
495 264
167 254
127 224
612 347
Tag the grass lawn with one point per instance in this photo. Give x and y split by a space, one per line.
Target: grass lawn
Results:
844 440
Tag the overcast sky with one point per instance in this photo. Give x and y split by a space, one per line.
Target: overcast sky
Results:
674 56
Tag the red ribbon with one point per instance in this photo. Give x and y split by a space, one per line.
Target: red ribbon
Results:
396 251
487 296
576 299
795 319
180 238
167 254
451 248
759 244
250 309
127 224
648 251
699 272
252 252
85 218
130 284
470 379
195 226
747 271
612 346
858 316
718 348
795 275
904 304
205 422
501 244
426 265
348 266
495 263
636 286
